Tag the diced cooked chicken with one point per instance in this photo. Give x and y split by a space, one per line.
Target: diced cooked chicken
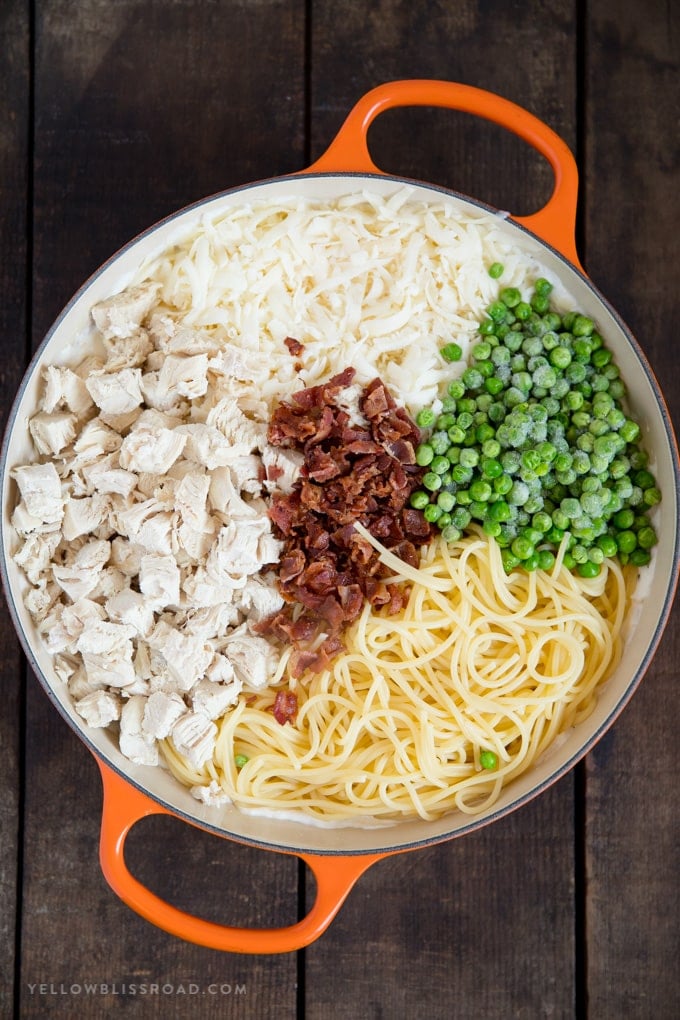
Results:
80 685
161 328
95 440
260 599
126 556
225 497
153 450
254 659
40 488
65 666
100 708
184 376
242 547
185 340
161 712
157 534
212 621
159 580
236 363
52 432
206 445
107 650
134 744
120 423
193 735
128 351
80 576
348 400
213 699
133 609
282 468
63 388
245 473
212 794
110 582
190 499
204 591
156 393
244 435
122 314
83 516
129 520
65 625
186 656
35 555
116 392
151 419
39 599
197 528
105 475
26 524
220 671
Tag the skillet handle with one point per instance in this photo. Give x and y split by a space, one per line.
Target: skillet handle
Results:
554 223
124 805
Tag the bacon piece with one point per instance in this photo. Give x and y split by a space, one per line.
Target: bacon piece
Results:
294 346
285 707
321 465
291 565
415 525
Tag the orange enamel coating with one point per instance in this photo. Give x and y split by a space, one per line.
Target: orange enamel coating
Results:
554 223
124 805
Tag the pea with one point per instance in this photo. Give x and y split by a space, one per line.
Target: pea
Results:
419 499
432 481
608 545
451 352
510 296
546 559
424 455
446 501
432 513
626 541
425 418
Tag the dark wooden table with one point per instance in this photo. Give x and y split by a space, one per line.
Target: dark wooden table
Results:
113 114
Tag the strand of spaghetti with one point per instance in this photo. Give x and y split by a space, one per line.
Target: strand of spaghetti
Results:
402 569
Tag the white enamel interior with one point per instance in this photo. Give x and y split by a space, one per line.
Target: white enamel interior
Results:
68 341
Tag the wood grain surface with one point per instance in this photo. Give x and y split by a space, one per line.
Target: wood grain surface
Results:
113 115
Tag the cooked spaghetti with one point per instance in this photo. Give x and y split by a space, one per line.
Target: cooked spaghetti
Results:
477 662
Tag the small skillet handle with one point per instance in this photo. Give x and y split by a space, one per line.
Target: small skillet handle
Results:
554 223
124 805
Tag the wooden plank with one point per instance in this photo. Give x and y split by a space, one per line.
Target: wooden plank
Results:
142 108
483 926
478 927
632 223
14 130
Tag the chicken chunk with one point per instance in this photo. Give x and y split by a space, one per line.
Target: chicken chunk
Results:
121 315
40 488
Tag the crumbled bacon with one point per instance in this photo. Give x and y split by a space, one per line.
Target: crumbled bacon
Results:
294 346
285 707
350 472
